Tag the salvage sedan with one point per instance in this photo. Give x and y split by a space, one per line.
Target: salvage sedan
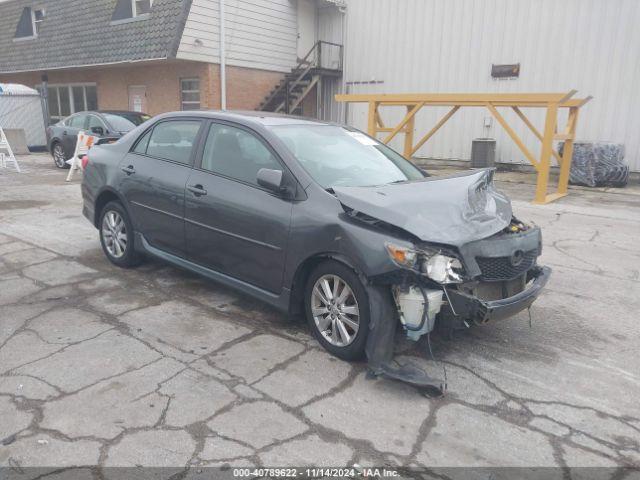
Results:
316 219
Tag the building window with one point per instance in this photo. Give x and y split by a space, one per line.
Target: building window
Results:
29 24
141 7
131 10
38 17
64 100
190 93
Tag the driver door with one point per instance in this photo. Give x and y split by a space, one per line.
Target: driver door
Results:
232 224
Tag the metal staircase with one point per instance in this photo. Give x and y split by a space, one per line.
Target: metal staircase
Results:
323 60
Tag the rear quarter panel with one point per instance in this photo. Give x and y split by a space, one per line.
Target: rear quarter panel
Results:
102 175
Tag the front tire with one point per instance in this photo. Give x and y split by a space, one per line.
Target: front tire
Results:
57 152
116 236
337 309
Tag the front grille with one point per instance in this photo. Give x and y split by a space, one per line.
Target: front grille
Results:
501 268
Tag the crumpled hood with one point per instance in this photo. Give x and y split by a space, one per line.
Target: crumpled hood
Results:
452 210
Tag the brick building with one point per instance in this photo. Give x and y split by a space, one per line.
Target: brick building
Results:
162 55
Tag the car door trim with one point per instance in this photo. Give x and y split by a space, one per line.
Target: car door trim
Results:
173 215
234 235
278 300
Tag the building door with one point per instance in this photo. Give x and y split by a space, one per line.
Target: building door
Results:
307 21
137 98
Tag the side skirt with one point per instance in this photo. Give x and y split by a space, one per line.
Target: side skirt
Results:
281 302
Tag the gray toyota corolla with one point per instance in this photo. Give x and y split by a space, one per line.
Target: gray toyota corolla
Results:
316 219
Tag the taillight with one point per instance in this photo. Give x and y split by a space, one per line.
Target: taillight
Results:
85 161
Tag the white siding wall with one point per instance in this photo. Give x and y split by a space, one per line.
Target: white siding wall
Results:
259 33
449 46
330 29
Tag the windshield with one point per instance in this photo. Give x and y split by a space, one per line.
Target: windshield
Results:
124 122
335 156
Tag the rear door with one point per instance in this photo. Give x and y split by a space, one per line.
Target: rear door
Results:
71 128
233 225
155 175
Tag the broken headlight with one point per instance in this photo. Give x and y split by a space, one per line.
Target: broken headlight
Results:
442 269
437 266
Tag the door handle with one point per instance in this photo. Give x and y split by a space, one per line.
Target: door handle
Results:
129 169
198 190
64 132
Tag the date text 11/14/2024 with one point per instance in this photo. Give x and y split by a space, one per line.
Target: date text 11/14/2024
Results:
310 472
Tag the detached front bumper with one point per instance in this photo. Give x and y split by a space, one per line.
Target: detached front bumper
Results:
472 308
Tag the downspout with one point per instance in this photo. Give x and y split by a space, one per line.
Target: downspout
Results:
345 88
223 61
44 100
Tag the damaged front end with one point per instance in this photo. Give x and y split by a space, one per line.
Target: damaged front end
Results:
473 265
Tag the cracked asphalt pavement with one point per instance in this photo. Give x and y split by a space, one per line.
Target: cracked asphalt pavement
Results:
157 367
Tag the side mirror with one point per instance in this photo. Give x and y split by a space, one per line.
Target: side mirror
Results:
271 179
97 130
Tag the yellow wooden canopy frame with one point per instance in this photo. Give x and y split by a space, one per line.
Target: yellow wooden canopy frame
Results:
552 102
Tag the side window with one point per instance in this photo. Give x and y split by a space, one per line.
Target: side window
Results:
236 153
141 146
96 122
173 140
76 121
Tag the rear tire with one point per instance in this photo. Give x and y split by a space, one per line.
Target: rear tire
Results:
117 236
337 310
57 152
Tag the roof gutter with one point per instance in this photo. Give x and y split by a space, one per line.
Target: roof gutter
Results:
68 67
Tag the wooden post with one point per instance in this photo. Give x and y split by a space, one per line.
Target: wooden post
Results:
371 128
408 132
567 153
545 155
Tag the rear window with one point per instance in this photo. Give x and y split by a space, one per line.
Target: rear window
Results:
172 140
124 122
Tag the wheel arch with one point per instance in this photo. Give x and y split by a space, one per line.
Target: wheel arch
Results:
299 280
105 196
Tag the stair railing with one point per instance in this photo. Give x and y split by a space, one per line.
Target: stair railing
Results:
313 59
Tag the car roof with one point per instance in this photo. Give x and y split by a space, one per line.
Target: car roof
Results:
120 112
263 118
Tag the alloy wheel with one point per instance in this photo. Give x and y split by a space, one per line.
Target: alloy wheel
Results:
335 310
114 233
58 156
